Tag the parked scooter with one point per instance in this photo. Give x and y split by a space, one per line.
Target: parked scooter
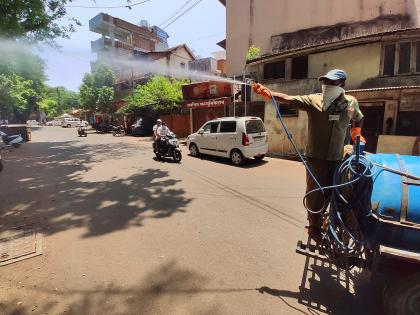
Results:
11 141
168 147
118 131
82 131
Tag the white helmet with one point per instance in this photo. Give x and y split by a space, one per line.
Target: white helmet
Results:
159 120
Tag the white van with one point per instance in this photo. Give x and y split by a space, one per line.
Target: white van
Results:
237 138
70 122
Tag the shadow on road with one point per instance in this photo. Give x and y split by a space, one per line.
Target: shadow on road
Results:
325 289
249 163
167 289
43 184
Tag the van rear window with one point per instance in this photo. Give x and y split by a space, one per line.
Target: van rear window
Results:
254 126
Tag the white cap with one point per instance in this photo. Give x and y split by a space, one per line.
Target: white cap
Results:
159 120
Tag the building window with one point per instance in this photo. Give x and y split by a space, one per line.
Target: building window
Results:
274 70
401 58
182 64
300 67
389 59
417 56
404 58
287 110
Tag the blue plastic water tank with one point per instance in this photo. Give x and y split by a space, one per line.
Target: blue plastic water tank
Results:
396 201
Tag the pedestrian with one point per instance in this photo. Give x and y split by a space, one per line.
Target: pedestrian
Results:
329 115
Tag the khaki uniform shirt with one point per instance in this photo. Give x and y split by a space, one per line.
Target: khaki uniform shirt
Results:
326 136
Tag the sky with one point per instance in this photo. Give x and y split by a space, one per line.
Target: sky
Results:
201 28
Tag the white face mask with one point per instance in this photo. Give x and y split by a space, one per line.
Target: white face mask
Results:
330 93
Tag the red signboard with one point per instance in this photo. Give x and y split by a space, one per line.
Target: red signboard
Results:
206 103
206 90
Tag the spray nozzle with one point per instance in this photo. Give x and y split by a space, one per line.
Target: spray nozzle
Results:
250 82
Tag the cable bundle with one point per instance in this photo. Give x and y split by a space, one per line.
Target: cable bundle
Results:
349 207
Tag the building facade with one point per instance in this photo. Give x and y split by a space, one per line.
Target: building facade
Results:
135 52
377 42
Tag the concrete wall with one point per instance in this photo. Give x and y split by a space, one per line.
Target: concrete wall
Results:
297 126
396 144
256 21
181 55
360 63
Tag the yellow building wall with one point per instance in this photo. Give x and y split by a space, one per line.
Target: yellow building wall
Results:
256 21
360 63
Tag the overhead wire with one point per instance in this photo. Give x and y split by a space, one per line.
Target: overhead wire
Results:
182 13
128 5
175 13
205 37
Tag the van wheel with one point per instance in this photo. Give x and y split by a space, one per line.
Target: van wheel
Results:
194 150
68 126
259 157
237 157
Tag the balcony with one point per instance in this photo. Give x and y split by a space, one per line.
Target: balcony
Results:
104 24
104 43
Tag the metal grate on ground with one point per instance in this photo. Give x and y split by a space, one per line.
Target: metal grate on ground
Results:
19 243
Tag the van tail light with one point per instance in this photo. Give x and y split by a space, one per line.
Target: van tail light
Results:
245 139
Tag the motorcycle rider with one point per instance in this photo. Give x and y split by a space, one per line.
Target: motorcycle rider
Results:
83 126
161 132
155 135
155 128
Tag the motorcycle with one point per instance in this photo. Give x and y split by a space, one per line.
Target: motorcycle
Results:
168 147
13 140
82 131
118 131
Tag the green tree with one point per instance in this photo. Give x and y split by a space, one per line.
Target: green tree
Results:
15 95
102 75
23 63
160 92
96 91
104 100
49 107
65 99
35 20
253 52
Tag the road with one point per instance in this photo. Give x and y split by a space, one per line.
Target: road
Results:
125 234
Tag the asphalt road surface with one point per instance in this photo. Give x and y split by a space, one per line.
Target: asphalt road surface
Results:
126 234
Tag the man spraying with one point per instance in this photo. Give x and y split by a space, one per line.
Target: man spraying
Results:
329 114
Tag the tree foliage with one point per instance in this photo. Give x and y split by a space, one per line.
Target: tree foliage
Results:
35 20
105 97
96 92
253 52
65 100
160 92
49 107
16 95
